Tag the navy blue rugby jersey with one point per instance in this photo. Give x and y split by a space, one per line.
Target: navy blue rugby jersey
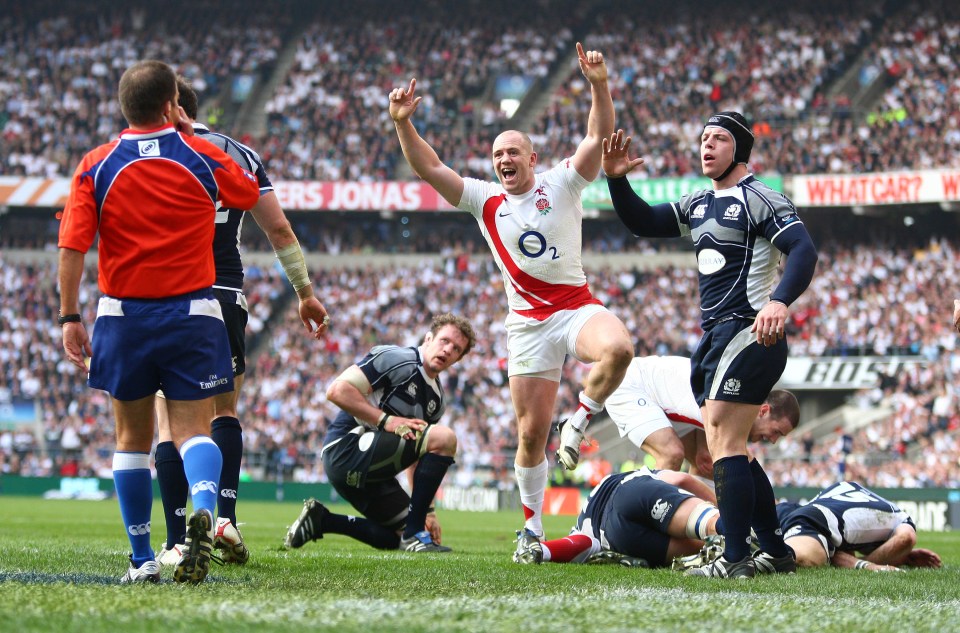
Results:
735 231
851 516
400 387
229 222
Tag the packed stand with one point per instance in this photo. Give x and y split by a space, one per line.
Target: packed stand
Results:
866 301
917 446
917 123
76 435
62 63
328 121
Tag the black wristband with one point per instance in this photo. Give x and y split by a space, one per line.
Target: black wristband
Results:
383 421
68 318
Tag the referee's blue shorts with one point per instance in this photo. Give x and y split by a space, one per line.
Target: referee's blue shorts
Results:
177 344
730 365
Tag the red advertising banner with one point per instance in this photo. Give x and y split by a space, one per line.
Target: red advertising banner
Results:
903 187
360 196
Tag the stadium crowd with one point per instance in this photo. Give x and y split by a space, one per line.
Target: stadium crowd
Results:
63 62
325 114
326 120
866 301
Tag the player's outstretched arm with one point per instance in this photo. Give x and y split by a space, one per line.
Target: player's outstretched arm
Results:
896 548
847 560
586 160
690 484
422 158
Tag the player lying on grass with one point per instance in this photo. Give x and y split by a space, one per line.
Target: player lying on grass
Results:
847 519
642 518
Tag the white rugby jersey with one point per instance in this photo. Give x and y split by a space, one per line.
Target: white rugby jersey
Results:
536 239
664 381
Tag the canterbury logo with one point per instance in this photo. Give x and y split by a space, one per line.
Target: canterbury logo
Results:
180 512
227 493
139 529
200 486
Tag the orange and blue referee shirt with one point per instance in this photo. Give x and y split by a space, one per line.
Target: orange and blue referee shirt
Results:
152 196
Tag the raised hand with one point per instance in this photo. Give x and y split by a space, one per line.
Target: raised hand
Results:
616 160
403 103
592 66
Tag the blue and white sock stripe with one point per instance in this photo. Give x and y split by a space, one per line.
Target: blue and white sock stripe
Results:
123 460
196 440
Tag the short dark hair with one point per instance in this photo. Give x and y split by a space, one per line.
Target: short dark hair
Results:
145 88
187 97
460 323
783 404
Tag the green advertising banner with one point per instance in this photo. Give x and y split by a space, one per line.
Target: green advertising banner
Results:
657 190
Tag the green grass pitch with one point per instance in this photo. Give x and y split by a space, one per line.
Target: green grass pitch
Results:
60 562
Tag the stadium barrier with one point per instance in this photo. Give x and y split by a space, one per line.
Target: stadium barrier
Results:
99 488
932 509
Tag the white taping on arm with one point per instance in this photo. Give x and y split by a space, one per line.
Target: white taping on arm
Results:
294 266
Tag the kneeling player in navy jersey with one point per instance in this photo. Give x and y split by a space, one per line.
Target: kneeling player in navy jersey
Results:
391 402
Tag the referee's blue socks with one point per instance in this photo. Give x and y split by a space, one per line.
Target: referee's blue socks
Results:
201 464
131 477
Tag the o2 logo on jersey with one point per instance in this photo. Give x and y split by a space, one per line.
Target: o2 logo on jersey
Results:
533 244
710 261
149 148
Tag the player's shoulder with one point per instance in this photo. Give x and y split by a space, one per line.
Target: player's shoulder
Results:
757 191
393 355
694 198
97 155
563 173
245 155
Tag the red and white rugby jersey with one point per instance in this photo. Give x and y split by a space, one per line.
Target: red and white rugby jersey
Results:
666 381
536 239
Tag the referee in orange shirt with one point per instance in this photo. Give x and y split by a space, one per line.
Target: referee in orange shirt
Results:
152 194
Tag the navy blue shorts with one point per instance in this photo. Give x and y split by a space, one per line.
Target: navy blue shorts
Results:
363 468
730 365
235 316
807 521
635 519
178 344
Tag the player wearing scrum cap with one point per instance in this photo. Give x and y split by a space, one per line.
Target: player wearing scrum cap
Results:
740 229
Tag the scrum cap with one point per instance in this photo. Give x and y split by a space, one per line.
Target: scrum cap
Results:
739 128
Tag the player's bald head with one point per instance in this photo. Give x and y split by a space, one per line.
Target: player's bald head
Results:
514 137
